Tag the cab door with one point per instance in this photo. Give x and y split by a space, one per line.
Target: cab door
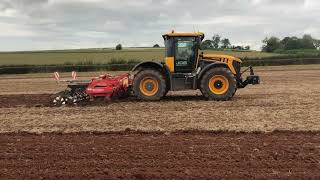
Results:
185 54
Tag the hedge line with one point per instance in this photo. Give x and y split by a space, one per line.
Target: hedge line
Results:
280 62
64 68
286 56
128 66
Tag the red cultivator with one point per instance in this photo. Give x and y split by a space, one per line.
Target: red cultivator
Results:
79 91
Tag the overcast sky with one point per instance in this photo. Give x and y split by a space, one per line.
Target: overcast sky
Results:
61 24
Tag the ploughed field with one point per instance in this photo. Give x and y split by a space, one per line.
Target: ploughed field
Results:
270 130
180 155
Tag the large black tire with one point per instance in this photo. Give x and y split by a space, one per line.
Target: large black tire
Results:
141 88
224 86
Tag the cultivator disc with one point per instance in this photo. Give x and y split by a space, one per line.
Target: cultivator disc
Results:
60 101
80 99
70 98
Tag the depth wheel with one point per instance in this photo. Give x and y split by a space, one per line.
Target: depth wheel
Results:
149 85
218 84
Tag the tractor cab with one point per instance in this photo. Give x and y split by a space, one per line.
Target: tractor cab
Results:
181 51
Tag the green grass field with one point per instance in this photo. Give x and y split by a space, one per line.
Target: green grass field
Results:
102 56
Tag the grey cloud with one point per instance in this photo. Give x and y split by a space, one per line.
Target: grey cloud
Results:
23 3
71 24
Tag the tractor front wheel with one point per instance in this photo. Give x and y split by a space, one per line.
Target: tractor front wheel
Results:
149 85
218 84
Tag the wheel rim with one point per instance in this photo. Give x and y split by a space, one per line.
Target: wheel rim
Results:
149 86
218 84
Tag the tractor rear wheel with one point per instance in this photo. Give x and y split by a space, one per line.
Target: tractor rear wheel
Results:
218 84
149 84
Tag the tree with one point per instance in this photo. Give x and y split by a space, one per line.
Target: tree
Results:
156 46
307 42
247 47
216 41
290 43
207 44
238 47
271 44
225 43
119 47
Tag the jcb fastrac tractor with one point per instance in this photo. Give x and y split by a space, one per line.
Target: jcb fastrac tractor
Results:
217 76
185 68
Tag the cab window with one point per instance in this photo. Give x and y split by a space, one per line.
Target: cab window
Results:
185 55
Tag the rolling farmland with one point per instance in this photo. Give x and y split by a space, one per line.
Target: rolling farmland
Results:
101 56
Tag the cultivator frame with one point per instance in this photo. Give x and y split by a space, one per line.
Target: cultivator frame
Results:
80 91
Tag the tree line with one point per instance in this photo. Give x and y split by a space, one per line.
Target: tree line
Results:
274 44
216 42
270 44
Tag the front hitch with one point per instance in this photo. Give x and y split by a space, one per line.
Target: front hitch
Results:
251 79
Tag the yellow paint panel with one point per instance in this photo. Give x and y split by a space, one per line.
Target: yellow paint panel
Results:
170 63
229 64
222 58
217 56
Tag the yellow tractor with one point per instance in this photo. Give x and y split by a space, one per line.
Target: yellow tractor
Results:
186 68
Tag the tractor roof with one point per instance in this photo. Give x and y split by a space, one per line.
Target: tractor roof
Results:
184 34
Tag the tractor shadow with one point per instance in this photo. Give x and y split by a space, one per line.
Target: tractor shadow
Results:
183 98
170 98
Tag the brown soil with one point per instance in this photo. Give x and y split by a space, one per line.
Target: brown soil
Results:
44 100
132 155
25 100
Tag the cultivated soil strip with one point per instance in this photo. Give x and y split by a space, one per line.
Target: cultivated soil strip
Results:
25 100
130 155
256 112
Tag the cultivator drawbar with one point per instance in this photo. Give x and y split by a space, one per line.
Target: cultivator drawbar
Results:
80 91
